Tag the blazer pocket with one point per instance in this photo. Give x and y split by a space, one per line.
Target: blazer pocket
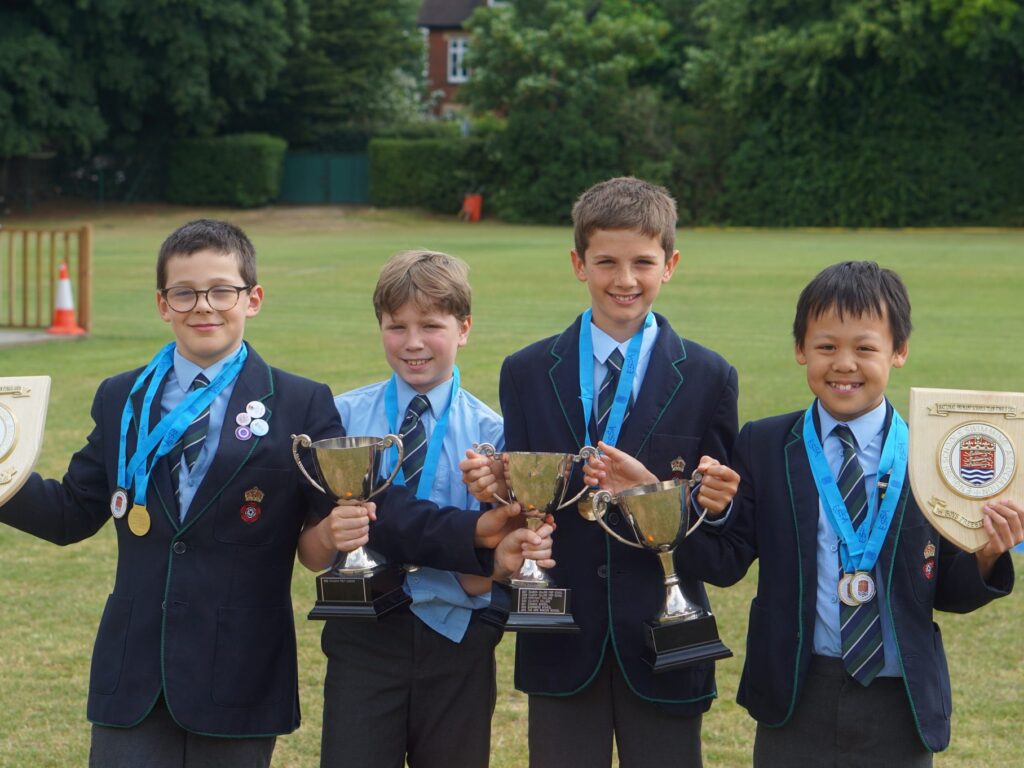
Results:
254 656
253 508
663 449
111 639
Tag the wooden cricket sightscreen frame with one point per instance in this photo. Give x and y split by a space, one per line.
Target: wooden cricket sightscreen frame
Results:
30 260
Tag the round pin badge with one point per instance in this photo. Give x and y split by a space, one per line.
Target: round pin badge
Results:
862 587
259 427
119 503
256 409
243 419
243 433
844 590
250 512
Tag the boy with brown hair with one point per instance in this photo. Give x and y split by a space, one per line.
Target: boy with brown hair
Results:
419 683
619 373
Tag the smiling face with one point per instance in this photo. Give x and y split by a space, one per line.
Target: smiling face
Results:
848 361
205 335
624 271
420 344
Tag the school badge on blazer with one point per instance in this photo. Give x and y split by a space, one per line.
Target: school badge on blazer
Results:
23 401
251 510
965 448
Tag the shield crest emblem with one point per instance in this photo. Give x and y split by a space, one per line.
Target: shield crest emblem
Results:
965 448
23 401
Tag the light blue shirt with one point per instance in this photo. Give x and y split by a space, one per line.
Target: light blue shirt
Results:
867 430
438 599
179 382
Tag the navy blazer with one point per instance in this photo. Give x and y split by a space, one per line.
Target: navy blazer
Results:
686 407
775 518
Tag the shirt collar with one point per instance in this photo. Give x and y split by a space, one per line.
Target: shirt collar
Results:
865 428
604 344
438 396
185 370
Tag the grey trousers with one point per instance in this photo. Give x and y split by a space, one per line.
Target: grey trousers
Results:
838 723
576 731
159 742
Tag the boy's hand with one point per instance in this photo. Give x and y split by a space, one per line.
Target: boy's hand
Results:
347 527
495 524
484 477
522 544
615 470
1004 524
718 486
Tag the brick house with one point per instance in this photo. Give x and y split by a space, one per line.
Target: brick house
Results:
446 44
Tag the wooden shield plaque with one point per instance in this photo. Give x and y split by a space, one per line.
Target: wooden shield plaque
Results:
23 402
965 448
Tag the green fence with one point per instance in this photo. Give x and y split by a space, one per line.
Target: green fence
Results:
326 177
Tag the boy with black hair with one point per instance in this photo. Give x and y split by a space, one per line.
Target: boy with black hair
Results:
844 664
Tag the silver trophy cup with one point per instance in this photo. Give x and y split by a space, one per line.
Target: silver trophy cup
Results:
360 583
657 517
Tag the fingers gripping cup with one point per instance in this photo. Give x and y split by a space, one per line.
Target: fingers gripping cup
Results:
360 584
657 516
539 482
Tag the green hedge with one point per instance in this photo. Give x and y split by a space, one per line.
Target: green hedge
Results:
242 169
427 173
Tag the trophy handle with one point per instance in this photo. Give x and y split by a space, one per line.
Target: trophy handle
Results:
586 452
305 442
601 501
386 442
694 479
488 450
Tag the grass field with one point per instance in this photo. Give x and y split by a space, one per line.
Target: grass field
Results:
734 292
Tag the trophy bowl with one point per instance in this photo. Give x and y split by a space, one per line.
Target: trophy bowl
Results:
360 584
657 516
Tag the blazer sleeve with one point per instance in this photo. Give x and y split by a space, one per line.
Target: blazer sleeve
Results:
717 440
412 530
960 588
321 422
72 509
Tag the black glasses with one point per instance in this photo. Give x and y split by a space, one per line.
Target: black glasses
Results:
221 298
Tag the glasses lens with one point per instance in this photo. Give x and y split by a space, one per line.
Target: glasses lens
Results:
181 299
222 297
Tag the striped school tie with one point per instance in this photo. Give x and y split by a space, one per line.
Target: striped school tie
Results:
190 445
860 625
606 395
414 440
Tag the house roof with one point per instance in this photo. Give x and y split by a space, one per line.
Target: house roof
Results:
446 13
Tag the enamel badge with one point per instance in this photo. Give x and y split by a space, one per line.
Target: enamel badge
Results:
251 510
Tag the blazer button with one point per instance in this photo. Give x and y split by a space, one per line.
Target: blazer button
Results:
613 518
602 571
179 547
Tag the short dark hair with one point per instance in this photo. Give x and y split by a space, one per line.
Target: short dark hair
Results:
625 202
855 288
208 234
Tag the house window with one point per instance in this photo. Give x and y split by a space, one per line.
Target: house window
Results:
457 47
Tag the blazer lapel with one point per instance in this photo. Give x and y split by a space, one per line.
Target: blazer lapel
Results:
803 495
564 375
254 383
662 382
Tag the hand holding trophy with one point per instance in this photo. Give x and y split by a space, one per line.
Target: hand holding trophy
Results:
539 482
360 584
658 516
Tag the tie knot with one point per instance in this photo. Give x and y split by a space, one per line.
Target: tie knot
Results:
615 359
200 382
417 407
846 438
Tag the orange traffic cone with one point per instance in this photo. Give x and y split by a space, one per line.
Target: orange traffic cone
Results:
64 311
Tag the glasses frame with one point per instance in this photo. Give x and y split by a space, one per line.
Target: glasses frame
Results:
206 295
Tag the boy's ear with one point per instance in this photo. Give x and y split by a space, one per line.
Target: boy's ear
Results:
464 327
670 266
798 351
162 308
899 357
579 266
255 301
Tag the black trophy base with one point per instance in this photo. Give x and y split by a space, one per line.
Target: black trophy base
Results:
530 609
367 595
680 643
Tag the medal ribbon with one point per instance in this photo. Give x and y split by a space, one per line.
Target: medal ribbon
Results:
860 549
435 442
150 446
622 391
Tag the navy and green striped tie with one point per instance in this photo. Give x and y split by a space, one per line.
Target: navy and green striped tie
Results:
414 440
860 625
606 395
190 445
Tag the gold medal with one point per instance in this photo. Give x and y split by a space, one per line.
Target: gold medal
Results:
138 521
845 595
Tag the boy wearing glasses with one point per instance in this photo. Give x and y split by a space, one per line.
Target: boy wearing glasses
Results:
191 457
